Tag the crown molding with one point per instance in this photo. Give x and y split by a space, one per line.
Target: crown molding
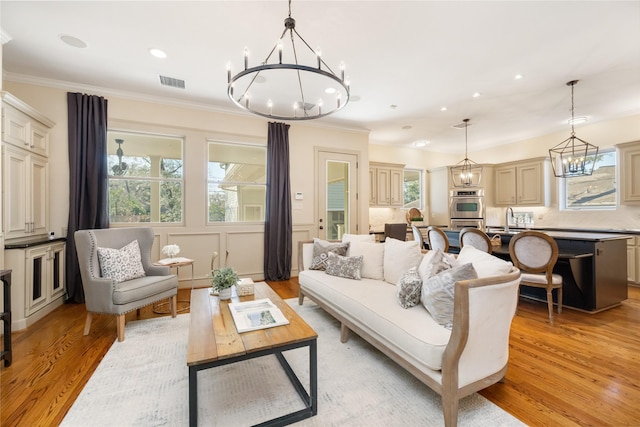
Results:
135 96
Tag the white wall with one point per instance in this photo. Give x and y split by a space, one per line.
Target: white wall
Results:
197 240
603 134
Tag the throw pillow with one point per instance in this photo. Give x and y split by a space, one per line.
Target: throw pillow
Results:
121 264
409 288
373 258
343 266
438 292
399 256
434 262
321 253
358 238
486 265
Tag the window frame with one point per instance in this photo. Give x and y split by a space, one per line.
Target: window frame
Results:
421 200
211 141
148 179
564 182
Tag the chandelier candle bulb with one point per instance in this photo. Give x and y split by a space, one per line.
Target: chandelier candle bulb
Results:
342 71
319 55
228 72
280 51
246 58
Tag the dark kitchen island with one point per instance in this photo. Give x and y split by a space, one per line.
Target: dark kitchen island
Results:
593 267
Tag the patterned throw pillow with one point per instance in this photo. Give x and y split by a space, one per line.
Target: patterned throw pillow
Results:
343 266
437 292
436 263
409 288
121 264
321 253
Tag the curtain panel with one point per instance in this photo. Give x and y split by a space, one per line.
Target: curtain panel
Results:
88 178
278 222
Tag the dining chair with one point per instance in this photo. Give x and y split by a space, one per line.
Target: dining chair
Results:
396 231
535 254
437 239
475 237
417 236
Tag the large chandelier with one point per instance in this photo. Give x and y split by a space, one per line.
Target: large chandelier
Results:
573 156
285 89
466 173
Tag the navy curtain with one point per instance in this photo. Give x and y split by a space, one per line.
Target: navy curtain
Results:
88 184
277 222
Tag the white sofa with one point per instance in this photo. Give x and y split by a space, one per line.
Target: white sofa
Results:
454 362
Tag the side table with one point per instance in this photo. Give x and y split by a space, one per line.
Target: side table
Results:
5 316
176 263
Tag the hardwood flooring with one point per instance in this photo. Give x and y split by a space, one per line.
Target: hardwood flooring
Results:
583 371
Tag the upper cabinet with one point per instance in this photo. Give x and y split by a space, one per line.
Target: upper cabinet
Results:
25 171
23 126
386 184
629 172
525 183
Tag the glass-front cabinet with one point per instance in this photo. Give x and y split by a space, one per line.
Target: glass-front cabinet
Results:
45 275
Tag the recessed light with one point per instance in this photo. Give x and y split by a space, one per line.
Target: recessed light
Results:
406 127
577 120
518 77
330 90
354 98
443 109
72 41
158 53
476 94
421 143
393 106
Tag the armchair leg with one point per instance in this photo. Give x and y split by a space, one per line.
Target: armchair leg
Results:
87 323
173 302
120 327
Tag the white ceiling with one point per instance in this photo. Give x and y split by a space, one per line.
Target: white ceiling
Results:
416 55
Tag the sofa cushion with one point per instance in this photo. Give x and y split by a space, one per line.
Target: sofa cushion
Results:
409 288
372 258
321 253
343 266
121 264
411 332
486 265
399 257
142 288
438 290
434 262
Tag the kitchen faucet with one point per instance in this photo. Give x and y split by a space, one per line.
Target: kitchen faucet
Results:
506 218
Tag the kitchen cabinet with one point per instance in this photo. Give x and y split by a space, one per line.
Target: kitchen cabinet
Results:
25 169
633 260
26 203
525 183
386 182
629 172
38 268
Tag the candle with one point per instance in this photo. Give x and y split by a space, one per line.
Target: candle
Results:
280 51
246 57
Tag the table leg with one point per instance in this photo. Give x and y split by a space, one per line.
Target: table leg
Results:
193 396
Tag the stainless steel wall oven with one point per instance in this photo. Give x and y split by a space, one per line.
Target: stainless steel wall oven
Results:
466 208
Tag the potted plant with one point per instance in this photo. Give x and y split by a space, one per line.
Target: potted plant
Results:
222 280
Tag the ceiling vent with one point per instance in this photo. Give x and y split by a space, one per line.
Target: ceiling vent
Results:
461 125
171 82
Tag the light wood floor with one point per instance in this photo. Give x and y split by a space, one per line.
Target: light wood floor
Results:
584 371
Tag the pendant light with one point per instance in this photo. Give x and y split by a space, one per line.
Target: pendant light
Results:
573 156
466 173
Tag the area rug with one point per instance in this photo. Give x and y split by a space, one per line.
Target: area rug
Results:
143 381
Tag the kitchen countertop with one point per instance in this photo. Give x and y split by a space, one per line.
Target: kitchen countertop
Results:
32 241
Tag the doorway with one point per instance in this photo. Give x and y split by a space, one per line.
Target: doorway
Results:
337 190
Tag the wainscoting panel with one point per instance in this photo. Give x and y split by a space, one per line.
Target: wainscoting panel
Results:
245 253
199 247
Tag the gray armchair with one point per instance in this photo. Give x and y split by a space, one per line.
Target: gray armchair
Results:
104 295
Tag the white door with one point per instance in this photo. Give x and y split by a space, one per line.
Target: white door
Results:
337 190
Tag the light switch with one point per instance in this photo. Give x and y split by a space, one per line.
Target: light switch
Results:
299 195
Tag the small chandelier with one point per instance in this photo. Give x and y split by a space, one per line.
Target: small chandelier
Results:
121 167
289 91
466 173
573 156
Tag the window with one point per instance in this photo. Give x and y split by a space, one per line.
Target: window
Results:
145 178
236 181
412 189
597 190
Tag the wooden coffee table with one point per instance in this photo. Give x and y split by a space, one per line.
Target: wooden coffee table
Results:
214 341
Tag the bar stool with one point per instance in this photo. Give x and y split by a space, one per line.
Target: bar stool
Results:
476 238
437 239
